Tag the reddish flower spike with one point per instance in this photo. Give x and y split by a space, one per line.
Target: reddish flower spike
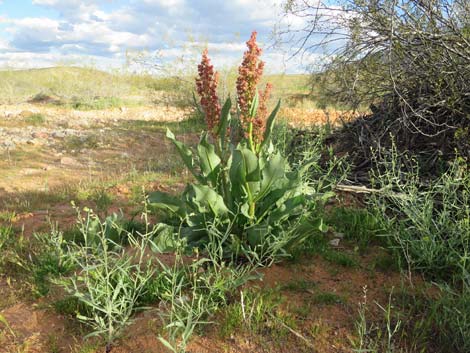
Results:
206 85
249 75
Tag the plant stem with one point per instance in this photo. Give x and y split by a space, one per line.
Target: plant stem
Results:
250 137
252 204
219 150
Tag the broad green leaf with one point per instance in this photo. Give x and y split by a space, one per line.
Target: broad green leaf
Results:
251 165
257 234
168 202
185 153
273 172
300 232
244 166
244 209
272 198
194 234
270 125
287 209
165 239
254 187
207 200
237 171
208 159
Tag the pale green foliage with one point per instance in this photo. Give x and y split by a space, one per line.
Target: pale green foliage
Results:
110 280
196 292
428 221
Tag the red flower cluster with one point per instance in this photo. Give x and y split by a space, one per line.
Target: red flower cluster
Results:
249 75
259 123
206 85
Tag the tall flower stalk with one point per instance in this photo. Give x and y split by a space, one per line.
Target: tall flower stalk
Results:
206 85
249 75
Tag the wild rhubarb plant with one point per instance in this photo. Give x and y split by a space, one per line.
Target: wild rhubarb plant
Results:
243 188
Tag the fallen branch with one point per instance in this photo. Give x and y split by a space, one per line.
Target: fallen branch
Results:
357 189
364 190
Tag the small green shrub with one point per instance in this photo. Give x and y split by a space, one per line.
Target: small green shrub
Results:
116 231
451 319
76 143
45 267
382 336
339 258
301 285
35 119
110 280
100 103
429 222
6 232
103 200
195 292
327 298
424 320
37 259
70 306
253 313
326 168
359 225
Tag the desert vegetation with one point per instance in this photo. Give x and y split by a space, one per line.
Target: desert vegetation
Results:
243 212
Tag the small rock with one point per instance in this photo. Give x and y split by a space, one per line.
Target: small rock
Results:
30 142
339 235
10 145
26 114
69 161
40 135
58 134
334 242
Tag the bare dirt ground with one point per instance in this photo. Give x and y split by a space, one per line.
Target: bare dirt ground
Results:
71 145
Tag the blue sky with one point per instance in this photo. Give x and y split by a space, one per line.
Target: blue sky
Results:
41 33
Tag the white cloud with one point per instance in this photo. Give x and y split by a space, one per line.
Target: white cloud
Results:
172 28
26 60
4 45
166 3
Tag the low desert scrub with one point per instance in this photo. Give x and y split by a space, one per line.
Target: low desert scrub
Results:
428 221
110 281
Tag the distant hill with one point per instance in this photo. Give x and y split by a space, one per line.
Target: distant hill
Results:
70 84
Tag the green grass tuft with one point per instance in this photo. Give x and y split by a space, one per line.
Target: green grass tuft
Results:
35 119
327 298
